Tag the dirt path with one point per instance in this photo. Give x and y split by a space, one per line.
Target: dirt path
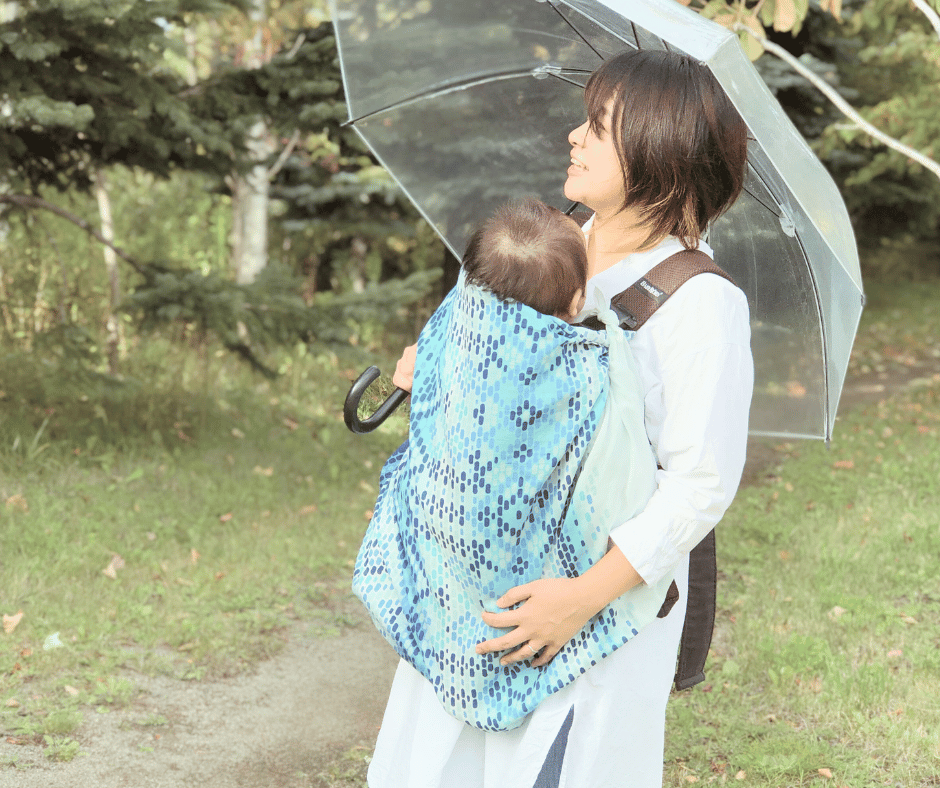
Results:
280 727
285 725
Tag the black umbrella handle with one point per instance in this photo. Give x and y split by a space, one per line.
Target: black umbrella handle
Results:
351 406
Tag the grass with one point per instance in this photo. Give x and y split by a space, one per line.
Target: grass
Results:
177 526
235 506
826 659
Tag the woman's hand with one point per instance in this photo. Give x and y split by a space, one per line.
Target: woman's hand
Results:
405 368
552 612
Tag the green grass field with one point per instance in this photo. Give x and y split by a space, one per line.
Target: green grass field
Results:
180 521
177 525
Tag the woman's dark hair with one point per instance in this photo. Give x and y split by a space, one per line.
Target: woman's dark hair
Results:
529 252
682 145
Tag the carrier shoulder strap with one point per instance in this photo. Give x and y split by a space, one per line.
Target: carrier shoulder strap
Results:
633 307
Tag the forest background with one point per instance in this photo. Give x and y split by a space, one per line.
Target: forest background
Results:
200 140
195 257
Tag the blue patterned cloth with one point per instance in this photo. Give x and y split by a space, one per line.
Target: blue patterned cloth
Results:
526 447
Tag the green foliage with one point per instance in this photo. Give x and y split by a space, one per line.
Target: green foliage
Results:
268 311
893 67
341 225
86 85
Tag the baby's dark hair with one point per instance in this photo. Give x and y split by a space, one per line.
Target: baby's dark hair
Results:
531 253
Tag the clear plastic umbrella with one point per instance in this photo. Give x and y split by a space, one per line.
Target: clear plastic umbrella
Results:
469 103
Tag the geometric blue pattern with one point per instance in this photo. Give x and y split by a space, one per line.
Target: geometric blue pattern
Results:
488 493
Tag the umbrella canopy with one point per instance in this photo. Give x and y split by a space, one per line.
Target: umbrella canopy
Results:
469 103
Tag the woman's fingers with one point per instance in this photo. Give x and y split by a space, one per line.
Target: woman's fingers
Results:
505 620
502 643
546 655
516 595
529 652
405 368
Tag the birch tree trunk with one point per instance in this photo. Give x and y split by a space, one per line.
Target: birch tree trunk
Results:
114 339
250 196
252 191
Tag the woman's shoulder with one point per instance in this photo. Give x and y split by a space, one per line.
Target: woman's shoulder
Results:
706 310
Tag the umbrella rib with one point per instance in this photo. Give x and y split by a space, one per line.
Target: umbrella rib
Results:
441 90
576 31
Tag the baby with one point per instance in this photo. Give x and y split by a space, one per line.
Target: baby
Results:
531 253
526 446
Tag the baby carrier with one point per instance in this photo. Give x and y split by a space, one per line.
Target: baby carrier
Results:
425 586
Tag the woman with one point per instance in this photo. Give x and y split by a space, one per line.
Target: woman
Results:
661 155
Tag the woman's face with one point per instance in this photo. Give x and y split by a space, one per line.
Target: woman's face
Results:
595 178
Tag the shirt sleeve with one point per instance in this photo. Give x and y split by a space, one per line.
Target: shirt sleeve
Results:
698 359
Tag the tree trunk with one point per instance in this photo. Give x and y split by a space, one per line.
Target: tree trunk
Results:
250 195
252 207
113 324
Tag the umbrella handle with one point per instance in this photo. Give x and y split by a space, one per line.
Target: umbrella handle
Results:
351 405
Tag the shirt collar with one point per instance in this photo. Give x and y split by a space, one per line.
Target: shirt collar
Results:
624 273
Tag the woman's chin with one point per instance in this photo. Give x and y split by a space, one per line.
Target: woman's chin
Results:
571 191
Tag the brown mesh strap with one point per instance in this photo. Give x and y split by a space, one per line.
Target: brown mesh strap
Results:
636 304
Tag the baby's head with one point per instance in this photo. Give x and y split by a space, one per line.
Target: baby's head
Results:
532 253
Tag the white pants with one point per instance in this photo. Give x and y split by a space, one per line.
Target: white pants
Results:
615 740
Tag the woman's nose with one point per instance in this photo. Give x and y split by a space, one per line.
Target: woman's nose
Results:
577 135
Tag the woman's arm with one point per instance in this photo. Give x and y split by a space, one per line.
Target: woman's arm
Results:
556 609
699 361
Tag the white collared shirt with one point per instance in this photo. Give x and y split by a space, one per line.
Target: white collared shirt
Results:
697 374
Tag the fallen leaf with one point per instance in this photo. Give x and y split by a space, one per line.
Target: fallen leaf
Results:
225 517
12 703
290 424
194 556
237 433
71 690
895 652
826 773
368 514
908 619
308 509
264 471
847 464
114 564
17 502
837 612
26 652
784 555
691 778
10 622
741 775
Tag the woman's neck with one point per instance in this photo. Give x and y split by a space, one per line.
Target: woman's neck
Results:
615 236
